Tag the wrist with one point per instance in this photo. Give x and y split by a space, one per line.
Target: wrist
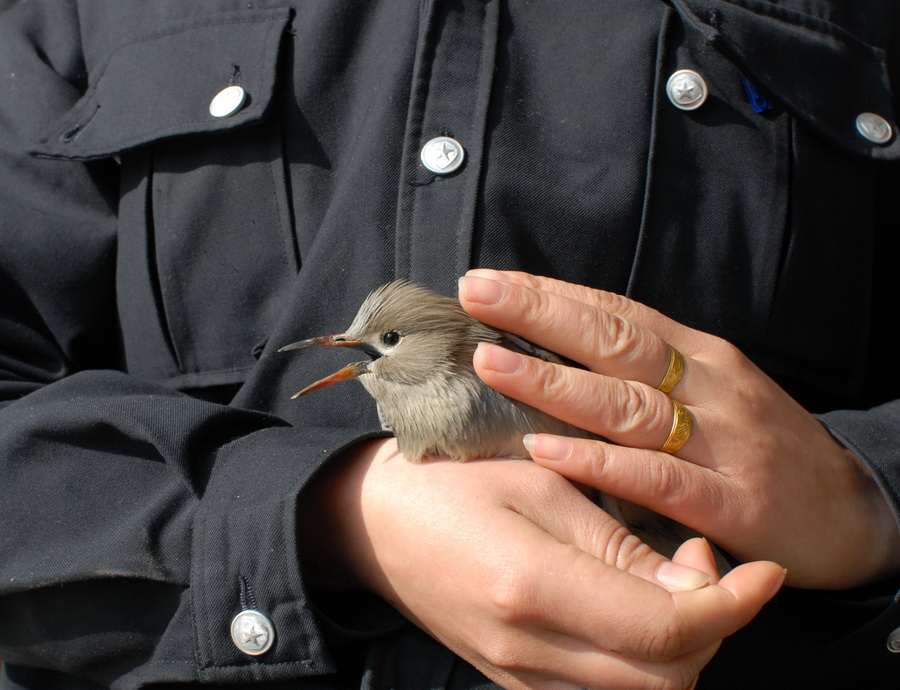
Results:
332 543
885 535
866 541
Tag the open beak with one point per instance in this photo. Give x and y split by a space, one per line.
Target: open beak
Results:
336 340
351 371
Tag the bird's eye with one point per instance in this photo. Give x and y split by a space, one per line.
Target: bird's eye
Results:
391 338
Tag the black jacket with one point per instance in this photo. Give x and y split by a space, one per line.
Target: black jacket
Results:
153 258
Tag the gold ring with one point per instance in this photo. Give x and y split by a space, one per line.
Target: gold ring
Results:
674 372
681 429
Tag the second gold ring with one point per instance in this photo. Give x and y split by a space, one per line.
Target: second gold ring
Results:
682 425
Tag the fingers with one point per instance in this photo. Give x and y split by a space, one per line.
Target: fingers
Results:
633 616
513 568
625 412
671 331
575 521
558 662
564 611
686 492
602 341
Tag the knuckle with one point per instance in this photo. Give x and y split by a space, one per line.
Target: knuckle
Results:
625 549
528 279
534 304
509 596
503 652
727 351
549 380
640 408
595 462
665 480
616 340
624 338
729 358
615 303
663 641
619 546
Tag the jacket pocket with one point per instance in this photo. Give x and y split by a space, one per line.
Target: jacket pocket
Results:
758 220
206 247
822 73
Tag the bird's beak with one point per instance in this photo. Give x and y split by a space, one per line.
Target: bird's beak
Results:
351 371
336 340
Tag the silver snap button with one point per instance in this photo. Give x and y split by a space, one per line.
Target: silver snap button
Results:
686 89
252 632
874 128
893 641
443 155
227 102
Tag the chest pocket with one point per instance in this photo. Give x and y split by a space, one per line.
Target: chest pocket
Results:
206 248
759 223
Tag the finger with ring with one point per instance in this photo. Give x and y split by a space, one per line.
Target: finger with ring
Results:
682 423
674 372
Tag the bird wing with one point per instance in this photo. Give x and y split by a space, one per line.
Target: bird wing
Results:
514 342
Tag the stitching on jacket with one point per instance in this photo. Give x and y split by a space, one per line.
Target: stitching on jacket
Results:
246 595
301 662
276 141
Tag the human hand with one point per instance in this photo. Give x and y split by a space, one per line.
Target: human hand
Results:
758 475
514 569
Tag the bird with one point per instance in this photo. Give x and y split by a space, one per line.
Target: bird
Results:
420 373
420 346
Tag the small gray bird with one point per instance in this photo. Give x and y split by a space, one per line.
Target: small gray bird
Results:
421 376
420 373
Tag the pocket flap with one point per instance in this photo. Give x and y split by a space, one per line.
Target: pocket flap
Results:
824 75
161 85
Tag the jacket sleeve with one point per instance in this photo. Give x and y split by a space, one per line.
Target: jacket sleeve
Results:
872 429
137 521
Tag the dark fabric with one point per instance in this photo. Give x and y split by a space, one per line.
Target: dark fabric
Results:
154 258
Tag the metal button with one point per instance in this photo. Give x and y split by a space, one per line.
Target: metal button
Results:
252 632
893 641
443 155
874 128
227 102
686 89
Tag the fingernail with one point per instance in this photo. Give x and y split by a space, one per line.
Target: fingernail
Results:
778 583
481 290
547 447
500 359
491 273
681 577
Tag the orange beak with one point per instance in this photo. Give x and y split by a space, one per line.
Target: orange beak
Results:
351 371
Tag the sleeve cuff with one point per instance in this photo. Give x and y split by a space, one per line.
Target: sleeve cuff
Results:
245 559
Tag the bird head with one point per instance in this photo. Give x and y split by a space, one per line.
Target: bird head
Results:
410 334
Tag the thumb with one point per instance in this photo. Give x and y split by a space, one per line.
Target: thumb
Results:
693 566
698 553
754 584
717 611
